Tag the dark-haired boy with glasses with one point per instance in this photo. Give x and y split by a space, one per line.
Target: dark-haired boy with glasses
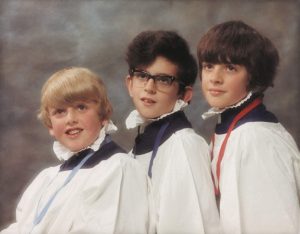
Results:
162 72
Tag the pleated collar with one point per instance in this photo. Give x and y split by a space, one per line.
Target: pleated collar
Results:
63 153
135 119
258 114
217 111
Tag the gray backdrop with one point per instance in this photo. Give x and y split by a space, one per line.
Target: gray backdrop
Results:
39 37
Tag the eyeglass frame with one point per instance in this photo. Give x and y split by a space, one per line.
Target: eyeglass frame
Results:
155 77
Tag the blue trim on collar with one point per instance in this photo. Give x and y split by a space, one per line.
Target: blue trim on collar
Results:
144 142
106 151
258 114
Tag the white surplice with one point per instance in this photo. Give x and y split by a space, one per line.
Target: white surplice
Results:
181 180
109 197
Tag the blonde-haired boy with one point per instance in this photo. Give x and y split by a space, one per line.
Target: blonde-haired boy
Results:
97 188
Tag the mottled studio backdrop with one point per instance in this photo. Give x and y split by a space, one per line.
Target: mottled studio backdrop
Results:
38 37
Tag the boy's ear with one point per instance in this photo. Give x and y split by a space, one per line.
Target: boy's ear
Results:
128 82
188 94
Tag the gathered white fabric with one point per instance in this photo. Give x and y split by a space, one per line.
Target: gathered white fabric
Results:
63 153
111 197
259 181
135 119
216 111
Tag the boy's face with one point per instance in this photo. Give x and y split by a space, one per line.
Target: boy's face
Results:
76 126
224 85
150 98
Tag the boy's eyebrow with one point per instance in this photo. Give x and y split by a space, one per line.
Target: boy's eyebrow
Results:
159 73
164 74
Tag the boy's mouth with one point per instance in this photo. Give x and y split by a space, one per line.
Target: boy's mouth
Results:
148 100
73 131
215 92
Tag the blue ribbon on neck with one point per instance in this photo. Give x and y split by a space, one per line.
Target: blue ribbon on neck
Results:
40 215
156 145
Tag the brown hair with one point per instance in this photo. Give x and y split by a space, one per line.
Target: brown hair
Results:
148 45
238 43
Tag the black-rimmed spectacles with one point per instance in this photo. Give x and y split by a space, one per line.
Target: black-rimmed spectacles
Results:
160 80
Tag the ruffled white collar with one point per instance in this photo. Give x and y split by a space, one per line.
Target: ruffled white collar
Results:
216 111
63 153
135 119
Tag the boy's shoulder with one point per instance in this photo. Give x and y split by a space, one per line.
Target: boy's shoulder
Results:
260 128
127 164
264 135
109 149
176 123
187 138
257 131
181 128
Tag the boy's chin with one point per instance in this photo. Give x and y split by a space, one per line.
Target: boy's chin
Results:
149 116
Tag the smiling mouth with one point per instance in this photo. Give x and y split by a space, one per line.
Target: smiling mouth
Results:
73 132
147 101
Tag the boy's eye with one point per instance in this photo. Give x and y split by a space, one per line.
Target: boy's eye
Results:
81 107
166 80
161 80
57 111
231 67
207 66
141 75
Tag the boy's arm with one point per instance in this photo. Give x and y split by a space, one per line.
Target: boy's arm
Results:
26 207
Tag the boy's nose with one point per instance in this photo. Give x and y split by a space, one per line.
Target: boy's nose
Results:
216 77
150 86
71 116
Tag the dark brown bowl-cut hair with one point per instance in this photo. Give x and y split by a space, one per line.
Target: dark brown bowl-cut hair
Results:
234 42
148 45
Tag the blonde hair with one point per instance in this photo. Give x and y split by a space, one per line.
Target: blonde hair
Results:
70 85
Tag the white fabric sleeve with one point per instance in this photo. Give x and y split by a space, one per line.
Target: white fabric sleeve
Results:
27 205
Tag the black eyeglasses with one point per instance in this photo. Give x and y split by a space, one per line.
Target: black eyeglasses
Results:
161 81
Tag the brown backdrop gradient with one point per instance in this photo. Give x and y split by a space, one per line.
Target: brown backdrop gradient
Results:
39 37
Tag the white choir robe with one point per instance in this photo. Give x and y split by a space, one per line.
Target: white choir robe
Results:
111 197
182 185
259 181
